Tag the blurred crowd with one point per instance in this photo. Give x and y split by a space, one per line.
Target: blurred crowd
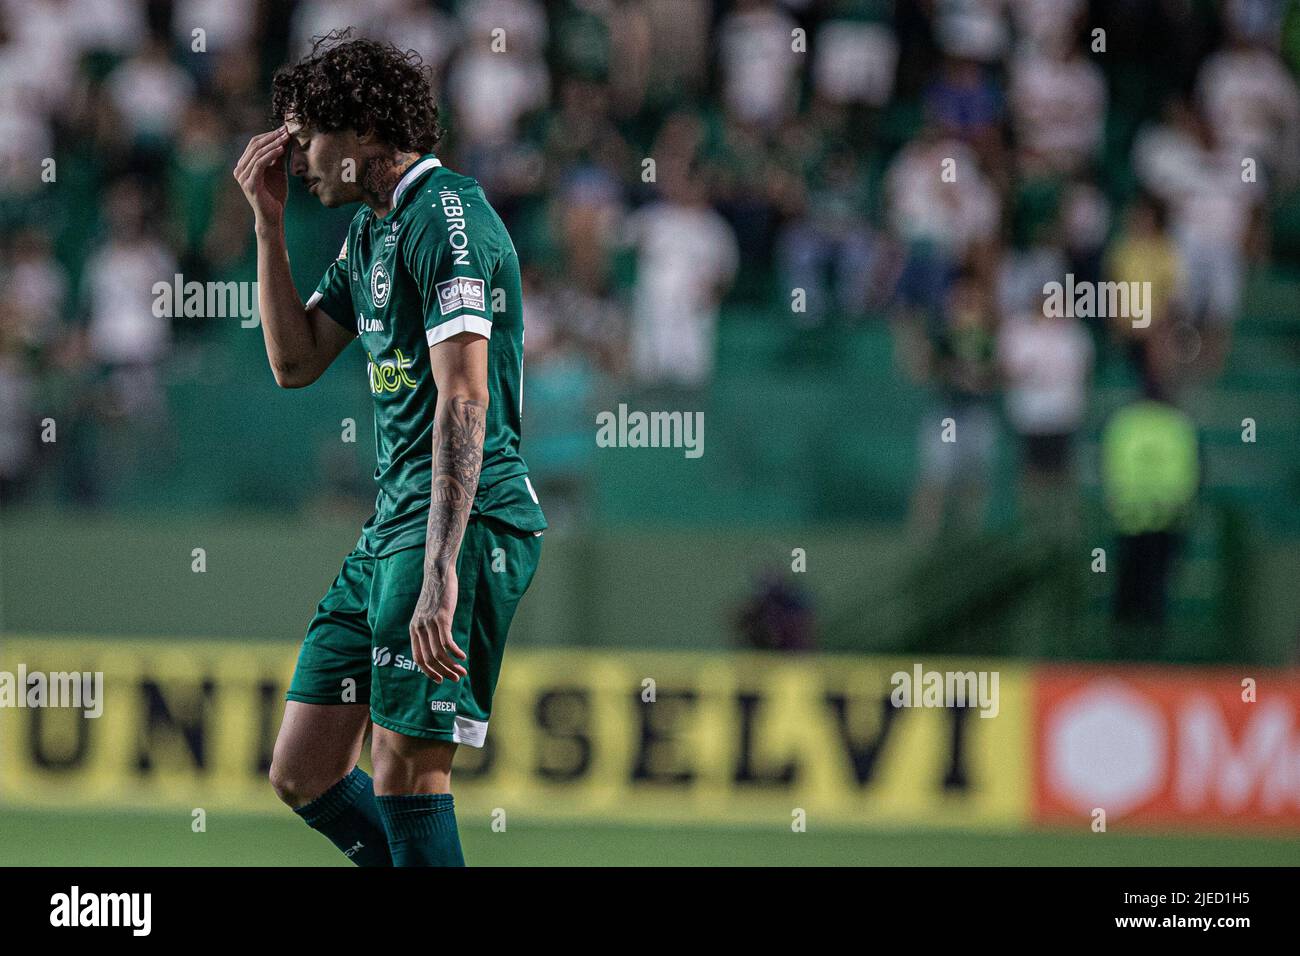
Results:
932 164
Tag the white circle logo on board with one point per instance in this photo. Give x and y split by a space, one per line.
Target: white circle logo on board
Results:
380 284
1106 747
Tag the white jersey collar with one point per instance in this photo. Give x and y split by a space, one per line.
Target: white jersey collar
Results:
410 174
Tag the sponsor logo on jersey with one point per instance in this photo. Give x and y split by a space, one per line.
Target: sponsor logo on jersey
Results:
457 236
461 293
382 657
380 284
388 375
368 325
391 238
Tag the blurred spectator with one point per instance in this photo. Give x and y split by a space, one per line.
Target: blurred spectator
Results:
965 103
34 292
490 91
686 259
972 29
415 25
318 18
1047 23
1058 108
150 92
959 434
829 251
1150 470
760 70
1023 273
659 53
17 425
1213 216
227 24
1084 223
778 616
1046 361
18 419
1144 252
940 219
128 337
1252 103
854 61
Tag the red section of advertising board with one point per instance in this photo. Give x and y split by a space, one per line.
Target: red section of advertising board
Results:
1167 747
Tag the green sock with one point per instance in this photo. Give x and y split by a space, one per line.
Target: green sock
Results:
421 829
347 815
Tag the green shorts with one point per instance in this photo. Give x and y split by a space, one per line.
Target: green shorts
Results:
358 645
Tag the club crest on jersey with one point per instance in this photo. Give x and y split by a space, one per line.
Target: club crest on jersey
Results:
380 285
460 293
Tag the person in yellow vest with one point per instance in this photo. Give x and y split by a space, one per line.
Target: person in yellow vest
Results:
1151 473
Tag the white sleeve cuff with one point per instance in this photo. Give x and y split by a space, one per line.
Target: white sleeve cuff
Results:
314 301
461 323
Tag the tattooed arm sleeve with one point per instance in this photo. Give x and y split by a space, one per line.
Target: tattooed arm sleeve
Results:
460 371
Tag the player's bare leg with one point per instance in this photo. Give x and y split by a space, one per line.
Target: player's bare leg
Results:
413 791
410 764
314 770
318 745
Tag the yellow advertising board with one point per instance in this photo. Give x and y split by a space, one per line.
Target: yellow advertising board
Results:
701 737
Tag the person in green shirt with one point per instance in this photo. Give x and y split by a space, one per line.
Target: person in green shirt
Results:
408 641
1151 473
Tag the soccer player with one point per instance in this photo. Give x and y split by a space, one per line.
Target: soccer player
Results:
408 640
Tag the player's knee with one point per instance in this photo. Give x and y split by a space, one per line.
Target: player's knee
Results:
294 787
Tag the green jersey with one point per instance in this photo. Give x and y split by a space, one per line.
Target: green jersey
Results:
440 263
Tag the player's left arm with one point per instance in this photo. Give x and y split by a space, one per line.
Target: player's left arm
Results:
460 371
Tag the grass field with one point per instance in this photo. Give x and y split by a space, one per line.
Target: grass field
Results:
44 838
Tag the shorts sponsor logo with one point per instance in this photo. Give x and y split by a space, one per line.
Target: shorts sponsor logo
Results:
443 706
382 657
460 293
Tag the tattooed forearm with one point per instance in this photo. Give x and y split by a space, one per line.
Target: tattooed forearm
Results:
457 460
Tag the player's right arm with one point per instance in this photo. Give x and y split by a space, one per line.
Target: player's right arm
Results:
300 342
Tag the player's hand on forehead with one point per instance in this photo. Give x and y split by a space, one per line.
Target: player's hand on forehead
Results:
258 146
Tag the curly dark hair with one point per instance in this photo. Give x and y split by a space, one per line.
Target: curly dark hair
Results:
360 84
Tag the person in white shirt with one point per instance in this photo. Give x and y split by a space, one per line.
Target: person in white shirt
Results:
687 257
1046 363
